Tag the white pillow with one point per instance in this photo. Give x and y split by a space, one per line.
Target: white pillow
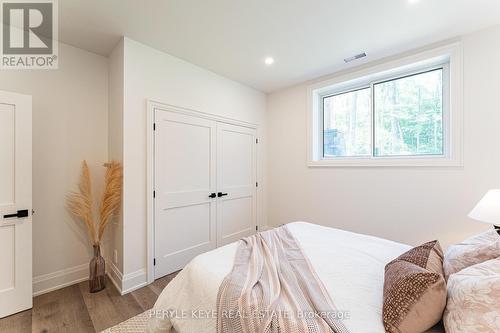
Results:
474 299
471 251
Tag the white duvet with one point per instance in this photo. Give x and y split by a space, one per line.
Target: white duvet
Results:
351 266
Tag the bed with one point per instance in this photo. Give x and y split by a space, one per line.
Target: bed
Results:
351 267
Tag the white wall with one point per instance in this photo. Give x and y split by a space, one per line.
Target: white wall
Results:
151 74
410 205
115 145
69 124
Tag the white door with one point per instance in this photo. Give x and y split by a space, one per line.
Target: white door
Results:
184 178
236 183
15 203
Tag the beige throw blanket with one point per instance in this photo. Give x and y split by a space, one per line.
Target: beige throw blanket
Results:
273 289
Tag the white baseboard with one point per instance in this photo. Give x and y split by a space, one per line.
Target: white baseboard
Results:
66 277
128 282
49 282
134 280
115 276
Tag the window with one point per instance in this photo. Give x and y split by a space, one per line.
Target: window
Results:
396 116
347 124
409 115
404 118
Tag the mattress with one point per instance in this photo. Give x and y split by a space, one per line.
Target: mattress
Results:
351 267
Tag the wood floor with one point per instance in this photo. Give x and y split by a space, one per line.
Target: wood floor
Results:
73 309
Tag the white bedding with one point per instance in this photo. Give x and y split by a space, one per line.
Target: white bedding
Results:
351 266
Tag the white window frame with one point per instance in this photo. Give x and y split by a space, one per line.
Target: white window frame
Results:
448 57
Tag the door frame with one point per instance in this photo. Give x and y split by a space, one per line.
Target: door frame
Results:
152 106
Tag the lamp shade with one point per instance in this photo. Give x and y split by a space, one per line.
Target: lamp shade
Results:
488 209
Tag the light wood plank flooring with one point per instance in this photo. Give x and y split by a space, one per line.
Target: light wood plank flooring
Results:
73 309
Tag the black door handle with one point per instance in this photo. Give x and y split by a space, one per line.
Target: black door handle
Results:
213 195
19 214
220 194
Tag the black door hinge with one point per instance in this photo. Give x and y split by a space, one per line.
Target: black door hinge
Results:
154 126
154 262
256 184
154 194
257 228
256 140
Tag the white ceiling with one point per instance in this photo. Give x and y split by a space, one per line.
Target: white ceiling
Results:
307 38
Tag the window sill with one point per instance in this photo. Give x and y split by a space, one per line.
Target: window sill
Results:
431 161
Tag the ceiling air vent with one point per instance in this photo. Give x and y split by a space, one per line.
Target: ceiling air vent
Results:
356 57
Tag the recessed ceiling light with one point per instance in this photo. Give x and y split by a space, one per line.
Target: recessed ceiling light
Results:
269 61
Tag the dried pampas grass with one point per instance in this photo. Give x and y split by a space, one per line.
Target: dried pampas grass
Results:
80 203
112 195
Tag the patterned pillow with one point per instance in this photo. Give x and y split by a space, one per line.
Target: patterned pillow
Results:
474 299
414 290
471 251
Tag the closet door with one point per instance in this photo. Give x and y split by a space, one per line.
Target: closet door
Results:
236 183
184 176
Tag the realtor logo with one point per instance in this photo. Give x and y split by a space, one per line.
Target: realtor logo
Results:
29 34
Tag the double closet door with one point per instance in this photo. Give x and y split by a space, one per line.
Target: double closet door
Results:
205 187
